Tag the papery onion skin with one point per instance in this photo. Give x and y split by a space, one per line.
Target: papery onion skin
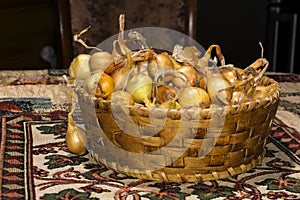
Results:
75 137
170 104
219 89
79 67
164 93
140 87
164 62
191 74
179 80
230 75
105 87
92 82
176 64
100 61
120 75
194 96
100 84
152 68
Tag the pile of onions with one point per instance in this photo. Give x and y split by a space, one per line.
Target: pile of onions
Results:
173 81
162 80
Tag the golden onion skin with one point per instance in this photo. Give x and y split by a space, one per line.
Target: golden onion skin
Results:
140 87
219 89
75 137
100 61
79 67
106 86
194 96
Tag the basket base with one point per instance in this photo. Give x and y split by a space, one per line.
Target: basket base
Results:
179 174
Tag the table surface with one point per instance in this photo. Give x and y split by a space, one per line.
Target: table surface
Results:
35 163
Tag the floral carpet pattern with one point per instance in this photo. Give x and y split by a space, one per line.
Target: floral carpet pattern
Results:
35 162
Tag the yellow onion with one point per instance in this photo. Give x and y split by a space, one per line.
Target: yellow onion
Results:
121 97
79 67
164 93
219 89
120 75
164 62
100 61
193 96
75 137
105 86
140 87
152 68
161 64
75 141
170 104
100 84
176 64
179 80
193 76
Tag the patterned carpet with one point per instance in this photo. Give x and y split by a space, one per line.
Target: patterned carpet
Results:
35 163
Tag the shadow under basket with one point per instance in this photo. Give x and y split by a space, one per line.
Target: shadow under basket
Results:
188 145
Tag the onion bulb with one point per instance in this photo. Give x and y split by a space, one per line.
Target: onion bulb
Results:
100 61
193 96
170 104
100 84
152 68
159 65
164 93
219 89
191 74
75 137
140 87
164 62
75 141
79 67
176 65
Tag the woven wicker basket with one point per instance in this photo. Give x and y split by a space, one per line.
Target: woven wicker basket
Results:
238 146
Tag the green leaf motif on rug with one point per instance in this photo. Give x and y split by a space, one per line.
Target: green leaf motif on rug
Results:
206 191
68 194
58 161
166 196
289 184
57 129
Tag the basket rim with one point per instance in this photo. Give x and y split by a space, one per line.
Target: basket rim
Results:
233 109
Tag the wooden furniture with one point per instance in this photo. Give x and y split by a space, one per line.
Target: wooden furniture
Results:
33 26
179 15
65 46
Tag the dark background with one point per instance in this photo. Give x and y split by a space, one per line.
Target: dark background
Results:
238 27
27 26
